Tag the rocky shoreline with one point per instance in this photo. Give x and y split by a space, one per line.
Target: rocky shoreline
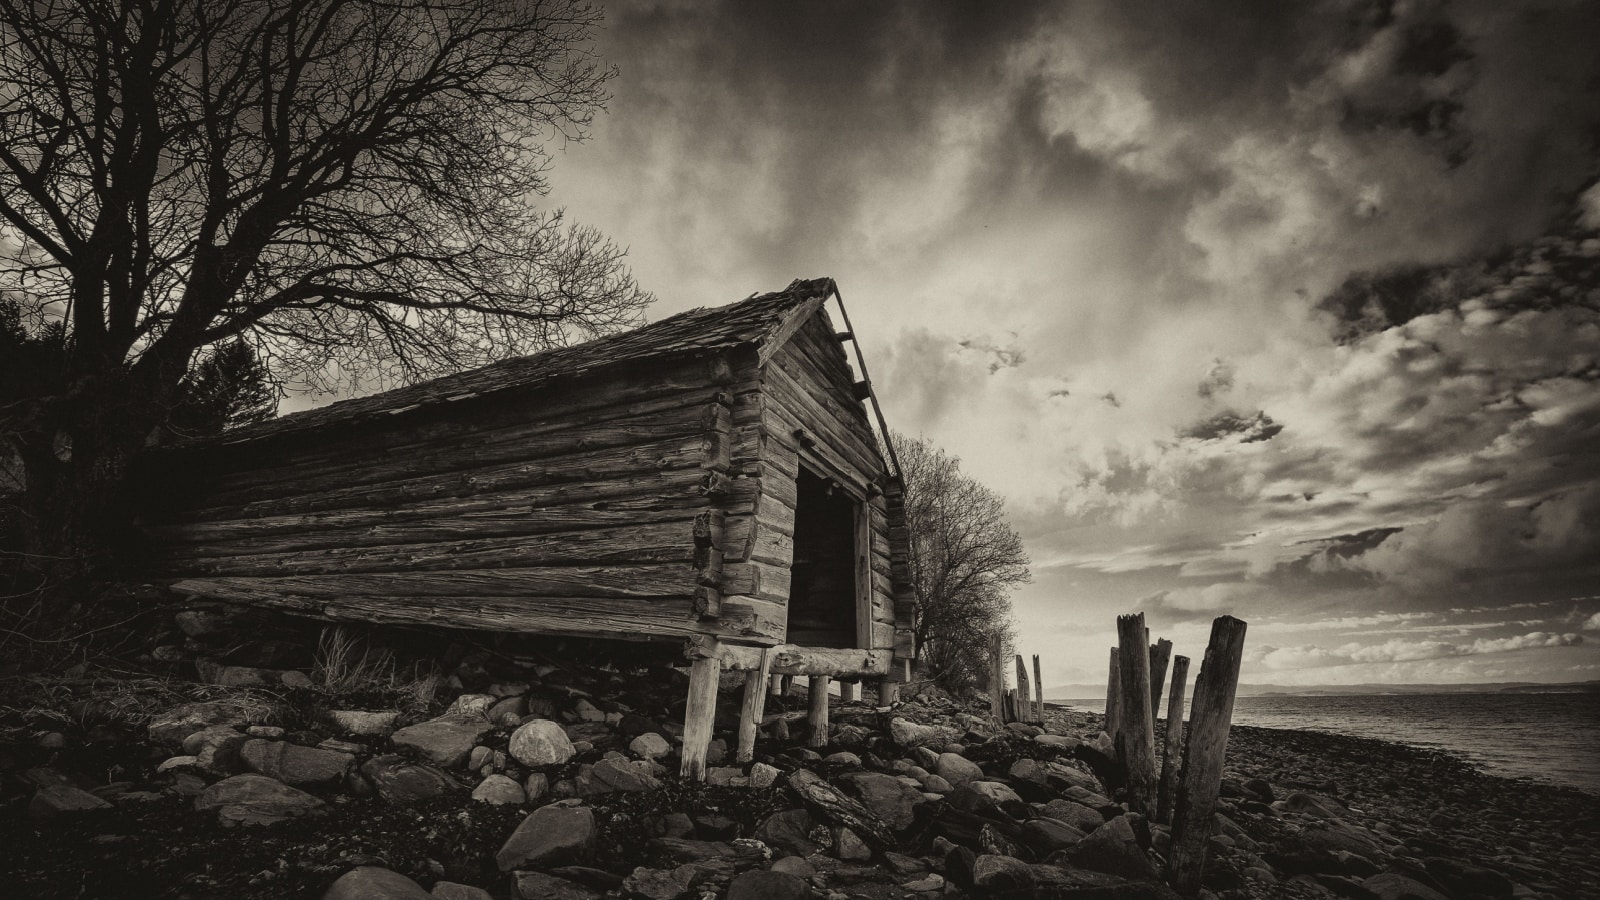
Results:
559 780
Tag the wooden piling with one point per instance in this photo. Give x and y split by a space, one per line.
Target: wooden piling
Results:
849 691
1114 702
997 679
1201 776
888 692
1160 653
754 706
1024 701
1038 692
1174 740
1137 735
775 685
699 715
817 713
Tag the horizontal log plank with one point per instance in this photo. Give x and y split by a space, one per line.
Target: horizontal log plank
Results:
639 461
672 580
661 618
792 659
646 543
490 448
567 396
663 496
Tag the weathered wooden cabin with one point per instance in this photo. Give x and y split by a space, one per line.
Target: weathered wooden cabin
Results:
711 478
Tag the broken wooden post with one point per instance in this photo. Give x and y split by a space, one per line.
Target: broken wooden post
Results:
1113 701
817 713
1137 735
997 679
1201 777
1174 740
1160 652
849 691
699 715
755 702
1038 692
1024 704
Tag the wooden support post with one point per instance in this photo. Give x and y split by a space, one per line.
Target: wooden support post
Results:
699 716
1174 741
888 692
817 713
1137 735
1038 692
754 706
1201 778
1114 703
775 685
1160 653
997 679
849 691
1024 703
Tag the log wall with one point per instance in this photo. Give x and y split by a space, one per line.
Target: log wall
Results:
656 500
576 508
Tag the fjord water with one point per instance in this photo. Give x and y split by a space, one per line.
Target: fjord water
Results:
1553 738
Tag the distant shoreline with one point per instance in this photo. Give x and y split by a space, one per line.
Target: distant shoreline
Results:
1092 693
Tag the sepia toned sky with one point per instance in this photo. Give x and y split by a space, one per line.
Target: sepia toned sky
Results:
1288 311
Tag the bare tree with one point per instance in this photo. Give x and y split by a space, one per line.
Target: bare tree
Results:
965 559
344 186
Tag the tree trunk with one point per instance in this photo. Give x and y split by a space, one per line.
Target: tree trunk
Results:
75 512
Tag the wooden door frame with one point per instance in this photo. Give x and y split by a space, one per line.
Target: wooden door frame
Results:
861 524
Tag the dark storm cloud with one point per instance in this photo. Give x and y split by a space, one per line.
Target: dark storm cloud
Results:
1095 248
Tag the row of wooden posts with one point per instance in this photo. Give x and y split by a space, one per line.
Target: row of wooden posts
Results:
1014 704
1178 786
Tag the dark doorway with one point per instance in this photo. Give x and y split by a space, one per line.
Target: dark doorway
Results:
822 586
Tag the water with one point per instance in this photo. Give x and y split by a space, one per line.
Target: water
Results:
1553 738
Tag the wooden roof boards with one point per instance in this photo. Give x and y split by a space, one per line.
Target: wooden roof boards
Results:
764 321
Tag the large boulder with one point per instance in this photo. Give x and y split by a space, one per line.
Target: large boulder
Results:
765 884
911 734
373 883
1394 886
499 790
170 728
541 742
889 797
361 722
1075 814
788 831
255 800
539 886
216 749
57 799
445 741
293 764
402 782
957 769
1113 848
560 833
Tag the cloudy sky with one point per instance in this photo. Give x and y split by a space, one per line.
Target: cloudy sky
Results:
1289 311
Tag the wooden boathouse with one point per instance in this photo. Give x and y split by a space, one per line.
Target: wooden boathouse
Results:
712 478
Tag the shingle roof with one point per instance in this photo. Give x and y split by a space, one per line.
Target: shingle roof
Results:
698 332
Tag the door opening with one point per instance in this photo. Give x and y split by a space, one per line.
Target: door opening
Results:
822 585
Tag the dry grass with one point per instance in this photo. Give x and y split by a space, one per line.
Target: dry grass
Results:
348 666
88 697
